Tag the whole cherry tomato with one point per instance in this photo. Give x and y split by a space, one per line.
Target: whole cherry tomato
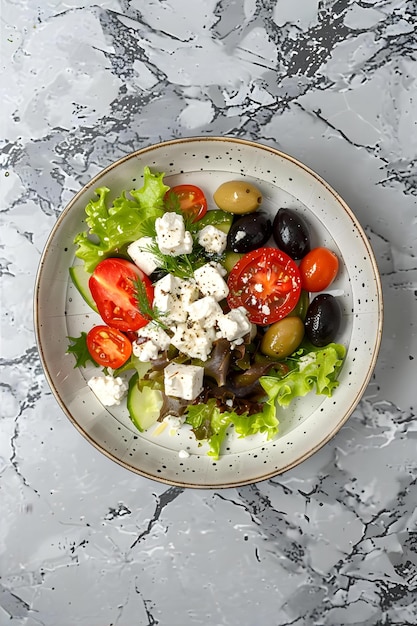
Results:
318 269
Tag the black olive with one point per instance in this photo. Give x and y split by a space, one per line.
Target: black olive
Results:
323 320
157 274
249 232
291 233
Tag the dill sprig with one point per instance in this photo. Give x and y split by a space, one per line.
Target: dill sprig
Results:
182 265
147 310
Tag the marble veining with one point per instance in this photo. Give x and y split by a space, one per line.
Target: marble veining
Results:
329 543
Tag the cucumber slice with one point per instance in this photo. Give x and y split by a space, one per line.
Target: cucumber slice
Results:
230 260
80 279
144 406
218 218
224 226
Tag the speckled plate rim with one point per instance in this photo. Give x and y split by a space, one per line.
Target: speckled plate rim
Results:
269 473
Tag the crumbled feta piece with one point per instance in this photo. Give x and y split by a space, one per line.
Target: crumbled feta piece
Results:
172 295
258 287
171 236
109 390
187 291
212 239
174 422
205 310
241 234
141 256
146 350
152 339
234 325
210 282
237 342
183 454
183 381
185 247
219 267
157 335
194 340
265 309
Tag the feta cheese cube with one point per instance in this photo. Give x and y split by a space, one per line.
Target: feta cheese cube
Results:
188 292
205 310
109 390
234 325
171 236
210 282
163 288
212 239
172 295
141 256
156 334
183 381
194 340
145 349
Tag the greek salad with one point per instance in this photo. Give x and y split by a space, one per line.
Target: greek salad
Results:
212 314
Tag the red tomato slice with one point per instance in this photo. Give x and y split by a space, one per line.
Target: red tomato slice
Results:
112 286
318 269
191 199
267 283
108 346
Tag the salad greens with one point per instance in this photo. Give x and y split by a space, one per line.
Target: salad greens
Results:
316 369
78 347
112 225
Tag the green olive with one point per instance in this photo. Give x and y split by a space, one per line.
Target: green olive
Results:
283 338
238 196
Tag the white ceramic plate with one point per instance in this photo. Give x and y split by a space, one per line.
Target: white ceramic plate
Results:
306 426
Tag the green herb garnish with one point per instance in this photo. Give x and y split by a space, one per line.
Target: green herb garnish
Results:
182 265
79 349
147 310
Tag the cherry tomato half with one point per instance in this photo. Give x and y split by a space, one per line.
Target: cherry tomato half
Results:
108 346
112 286
266 282
318 269
191 199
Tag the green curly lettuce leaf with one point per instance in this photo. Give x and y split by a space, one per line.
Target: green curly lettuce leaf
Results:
210 424
316 370
113 225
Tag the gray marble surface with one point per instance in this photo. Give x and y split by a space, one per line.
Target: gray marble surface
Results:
332 542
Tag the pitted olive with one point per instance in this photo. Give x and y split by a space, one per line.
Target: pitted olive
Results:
238 196
323 320
283 338
291 233
249 232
